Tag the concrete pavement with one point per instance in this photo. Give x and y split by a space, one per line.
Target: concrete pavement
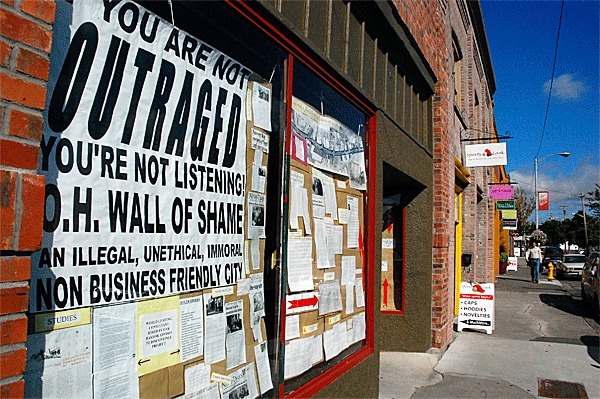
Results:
543 339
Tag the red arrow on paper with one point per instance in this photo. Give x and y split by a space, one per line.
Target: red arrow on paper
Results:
299 303
361 244
385 292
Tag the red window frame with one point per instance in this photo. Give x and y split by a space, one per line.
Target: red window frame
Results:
295 51
402 309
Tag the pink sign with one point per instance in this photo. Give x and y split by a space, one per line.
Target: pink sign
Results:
501 192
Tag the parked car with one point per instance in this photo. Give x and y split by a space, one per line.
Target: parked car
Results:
570 265
590 287
551 254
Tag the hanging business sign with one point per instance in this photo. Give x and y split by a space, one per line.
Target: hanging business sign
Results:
509 214
145 164
492 154
543 200
476 306
501 192
509 224
506 205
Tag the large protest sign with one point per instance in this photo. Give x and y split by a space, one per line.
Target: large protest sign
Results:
144 159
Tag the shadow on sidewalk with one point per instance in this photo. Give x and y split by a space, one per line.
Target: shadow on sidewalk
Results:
592 342
565 303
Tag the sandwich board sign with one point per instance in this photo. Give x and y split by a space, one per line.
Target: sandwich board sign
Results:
512 263
476 307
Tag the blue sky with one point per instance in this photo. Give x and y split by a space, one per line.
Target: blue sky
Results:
522 38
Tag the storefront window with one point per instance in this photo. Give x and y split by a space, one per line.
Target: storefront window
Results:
181 213
324 255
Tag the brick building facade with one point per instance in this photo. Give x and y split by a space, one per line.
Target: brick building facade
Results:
450 82
25 43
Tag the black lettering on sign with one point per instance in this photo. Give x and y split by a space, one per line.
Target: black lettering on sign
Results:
144 61
57 258
64 148
229 70
106 99
149 170
81 207
220 218
173 43
158 109
52 205
130 26
201 121
64 155
57 293
232 131
108 7
46 148
181 214
218 127
181 117
119 169
73 77
125 216
128 23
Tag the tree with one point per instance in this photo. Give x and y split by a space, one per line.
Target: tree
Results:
538 236
594 201
594 219
556 232
525 206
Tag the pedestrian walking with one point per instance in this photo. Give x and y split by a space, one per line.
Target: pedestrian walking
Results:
533 257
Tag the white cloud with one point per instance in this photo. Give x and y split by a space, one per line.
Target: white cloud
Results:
564 186
565 88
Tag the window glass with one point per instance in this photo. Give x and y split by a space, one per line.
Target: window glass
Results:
324 257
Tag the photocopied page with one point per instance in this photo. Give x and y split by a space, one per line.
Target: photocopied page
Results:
325 187
292 327
115 368
348 267
235 338
360 293
196 377
256 215
353 222
299 264
296 359
257 303
330 297
299 202
323 259
191 327
209 392
215 328
60 356
349 308
261 106
263 367
335 340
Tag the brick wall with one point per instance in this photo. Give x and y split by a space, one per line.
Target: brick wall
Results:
25 41
427 20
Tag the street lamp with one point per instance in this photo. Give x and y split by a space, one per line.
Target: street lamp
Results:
562 154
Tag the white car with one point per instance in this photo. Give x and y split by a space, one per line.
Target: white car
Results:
570 265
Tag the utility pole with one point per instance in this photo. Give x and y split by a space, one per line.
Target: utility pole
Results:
584 223
564 208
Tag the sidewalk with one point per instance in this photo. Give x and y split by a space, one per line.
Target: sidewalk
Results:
527 347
